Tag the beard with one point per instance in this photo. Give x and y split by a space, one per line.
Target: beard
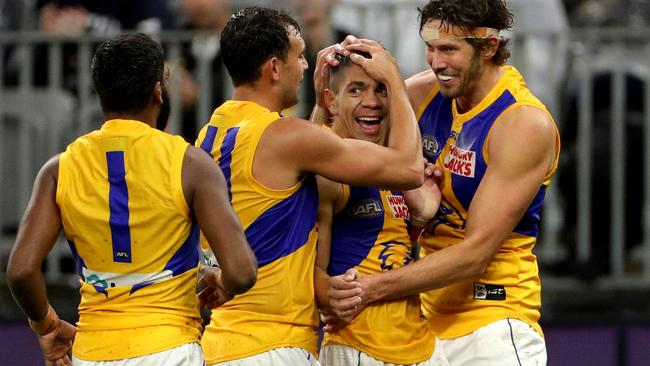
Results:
165 111
468 80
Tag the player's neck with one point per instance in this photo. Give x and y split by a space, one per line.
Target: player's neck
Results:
147 116
259 95
482 87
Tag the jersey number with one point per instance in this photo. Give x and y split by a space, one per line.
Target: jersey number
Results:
118 201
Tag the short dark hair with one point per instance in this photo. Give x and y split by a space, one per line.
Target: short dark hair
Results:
470 14
337 71
251 37
124 71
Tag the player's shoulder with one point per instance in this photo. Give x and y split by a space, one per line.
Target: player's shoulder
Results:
51 167
419 86
289 129
529 117
518 124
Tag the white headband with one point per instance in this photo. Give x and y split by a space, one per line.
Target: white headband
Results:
434 33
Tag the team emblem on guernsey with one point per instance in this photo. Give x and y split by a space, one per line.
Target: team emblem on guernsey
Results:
460 161
430 146
393 253
366 208
398 206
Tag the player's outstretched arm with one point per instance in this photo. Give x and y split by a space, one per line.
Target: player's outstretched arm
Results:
517 168
300 147
37 234
206 194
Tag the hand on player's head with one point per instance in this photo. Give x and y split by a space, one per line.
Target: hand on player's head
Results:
381 65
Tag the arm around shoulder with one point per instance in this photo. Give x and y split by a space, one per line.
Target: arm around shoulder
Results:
312 148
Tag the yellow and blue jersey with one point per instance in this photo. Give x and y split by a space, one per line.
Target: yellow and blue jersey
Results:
370 234
279 311
130 230
510 287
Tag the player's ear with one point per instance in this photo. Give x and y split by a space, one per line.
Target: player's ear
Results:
157 93
330 102
491 47
271 68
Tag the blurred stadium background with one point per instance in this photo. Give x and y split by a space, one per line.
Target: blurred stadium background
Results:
588 60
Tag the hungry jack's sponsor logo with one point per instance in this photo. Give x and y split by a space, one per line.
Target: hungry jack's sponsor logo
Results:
398 206
460 161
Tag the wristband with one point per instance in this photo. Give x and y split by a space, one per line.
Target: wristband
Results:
418 221
320 115
47 324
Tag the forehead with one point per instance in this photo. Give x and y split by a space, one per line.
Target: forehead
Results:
355 73
296 42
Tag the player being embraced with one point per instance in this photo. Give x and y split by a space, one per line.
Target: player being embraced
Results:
365 228
130 199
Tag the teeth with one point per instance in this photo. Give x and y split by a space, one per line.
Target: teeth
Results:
444 77
368 119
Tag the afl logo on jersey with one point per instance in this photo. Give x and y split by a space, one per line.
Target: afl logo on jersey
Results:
430 146
367 208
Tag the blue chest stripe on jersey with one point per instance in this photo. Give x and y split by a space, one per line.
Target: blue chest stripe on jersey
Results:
285 227
472 137
355 229
435 126
226 156
208 141
118 199
186 258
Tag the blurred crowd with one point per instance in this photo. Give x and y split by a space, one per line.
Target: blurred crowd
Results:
325 22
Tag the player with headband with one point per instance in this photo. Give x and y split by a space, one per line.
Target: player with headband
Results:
498 147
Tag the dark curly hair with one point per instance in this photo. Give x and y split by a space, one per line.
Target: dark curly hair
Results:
470 14
124 71
251 37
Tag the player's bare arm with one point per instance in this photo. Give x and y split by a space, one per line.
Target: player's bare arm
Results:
205 191
419 86
518 165
39 229
328 194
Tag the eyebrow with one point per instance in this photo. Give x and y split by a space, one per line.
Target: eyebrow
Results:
355 83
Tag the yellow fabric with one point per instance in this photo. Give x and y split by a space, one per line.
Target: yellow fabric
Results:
279 311
118 318
392 331
452 311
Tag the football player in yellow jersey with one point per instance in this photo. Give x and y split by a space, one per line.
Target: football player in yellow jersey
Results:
269 162
498 147
366 228
128 197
